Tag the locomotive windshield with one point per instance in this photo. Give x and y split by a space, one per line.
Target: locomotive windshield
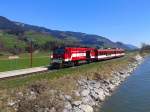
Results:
59 51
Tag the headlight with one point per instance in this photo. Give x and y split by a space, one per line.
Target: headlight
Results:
51 56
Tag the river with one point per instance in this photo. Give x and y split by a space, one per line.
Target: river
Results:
133 95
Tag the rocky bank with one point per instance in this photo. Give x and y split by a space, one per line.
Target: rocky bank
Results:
94 92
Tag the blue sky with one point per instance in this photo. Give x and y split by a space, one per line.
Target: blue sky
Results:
119 20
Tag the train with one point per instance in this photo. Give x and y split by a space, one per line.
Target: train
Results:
73 56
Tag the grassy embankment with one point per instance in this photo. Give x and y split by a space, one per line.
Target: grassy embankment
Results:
63 79
101 69
39 59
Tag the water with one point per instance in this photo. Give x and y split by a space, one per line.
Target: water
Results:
134 94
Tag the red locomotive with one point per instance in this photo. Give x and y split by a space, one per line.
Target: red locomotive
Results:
70 56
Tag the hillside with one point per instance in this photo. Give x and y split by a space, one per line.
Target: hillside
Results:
16 35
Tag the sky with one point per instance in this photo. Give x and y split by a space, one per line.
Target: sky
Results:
127 21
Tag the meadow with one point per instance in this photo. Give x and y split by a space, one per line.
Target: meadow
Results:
39 59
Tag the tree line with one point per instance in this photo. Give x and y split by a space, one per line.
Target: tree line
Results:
145 48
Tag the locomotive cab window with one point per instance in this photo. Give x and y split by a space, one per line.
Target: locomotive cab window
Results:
59 51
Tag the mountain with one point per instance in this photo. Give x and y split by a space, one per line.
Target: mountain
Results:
132 47
6 24
83 38
44 38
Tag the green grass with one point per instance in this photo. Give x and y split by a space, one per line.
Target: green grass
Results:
80 70
10 41
38 38
16 82
39 59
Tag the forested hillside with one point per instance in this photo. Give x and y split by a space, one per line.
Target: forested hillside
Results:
15 38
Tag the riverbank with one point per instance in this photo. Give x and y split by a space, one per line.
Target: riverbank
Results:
94 92
133 95
80 89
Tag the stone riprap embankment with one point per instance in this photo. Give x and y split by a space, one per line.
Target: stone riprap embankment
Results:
94 92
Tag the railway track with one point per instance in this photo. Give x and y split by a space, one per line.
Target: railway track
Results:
24 72
28 71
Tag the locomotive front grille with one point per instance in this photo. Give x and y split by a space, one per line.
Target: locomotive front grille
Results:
57 61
